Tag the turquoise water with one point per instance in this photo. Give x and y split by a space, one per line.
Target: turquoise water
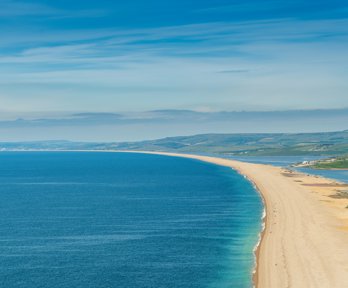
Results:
124 220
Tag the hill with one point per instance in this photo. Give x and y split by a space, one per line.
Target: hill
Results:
261 144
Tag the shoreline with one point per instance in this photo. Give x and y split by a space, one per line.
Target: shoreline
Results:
321 169
256 249
207 159
287 254
256 252
304 240
255 274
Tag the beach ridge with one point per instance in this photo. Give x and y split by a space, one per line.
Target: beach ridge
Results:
304 242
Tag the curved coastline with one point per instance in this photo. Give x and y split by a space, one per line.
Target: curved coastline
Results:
212 160
304 242
304 238
261 233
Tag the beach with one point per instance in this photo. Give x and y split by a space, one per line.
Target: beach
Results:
305 239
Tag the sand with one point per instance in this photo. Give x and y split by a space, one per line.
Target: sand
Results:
305 240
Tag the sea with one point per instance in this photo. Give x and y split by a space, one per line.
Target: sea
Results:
94 219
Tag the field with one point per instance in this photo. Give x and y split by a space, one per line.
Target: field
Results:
336 163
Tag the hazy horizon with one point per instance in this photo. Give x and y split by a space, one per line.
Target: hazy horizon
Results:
104 70
147 125
221 109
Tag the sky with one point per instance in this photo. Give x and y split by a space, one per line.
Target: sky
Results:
59 58
137 126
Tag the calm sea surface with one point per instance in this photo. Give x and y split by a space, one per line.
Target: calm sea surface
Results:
124 220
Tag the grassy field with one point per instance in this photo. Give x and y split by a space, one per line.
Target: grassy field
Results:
338 163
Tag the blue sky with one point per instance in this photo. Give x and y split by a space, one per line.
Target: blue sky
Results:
107 56
127 56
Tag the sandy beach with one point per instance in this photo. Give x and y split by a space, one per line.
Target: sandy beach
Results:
305 240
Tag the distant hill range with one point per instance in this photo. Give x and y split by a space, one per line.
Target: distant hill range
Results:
325 144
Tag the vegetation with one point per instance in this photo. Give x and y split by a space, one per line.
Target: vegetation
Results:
335 163
316 144
329 144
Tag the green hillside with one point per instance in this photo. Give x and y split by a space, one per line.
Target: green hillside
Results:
326 144
335 163
316 144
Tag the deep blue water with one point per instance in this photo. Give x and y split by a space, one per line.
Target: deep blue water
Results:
78 219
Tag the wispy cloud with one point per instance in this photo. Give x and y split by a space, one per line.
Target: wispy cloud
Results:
199 35
277 63
211 40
